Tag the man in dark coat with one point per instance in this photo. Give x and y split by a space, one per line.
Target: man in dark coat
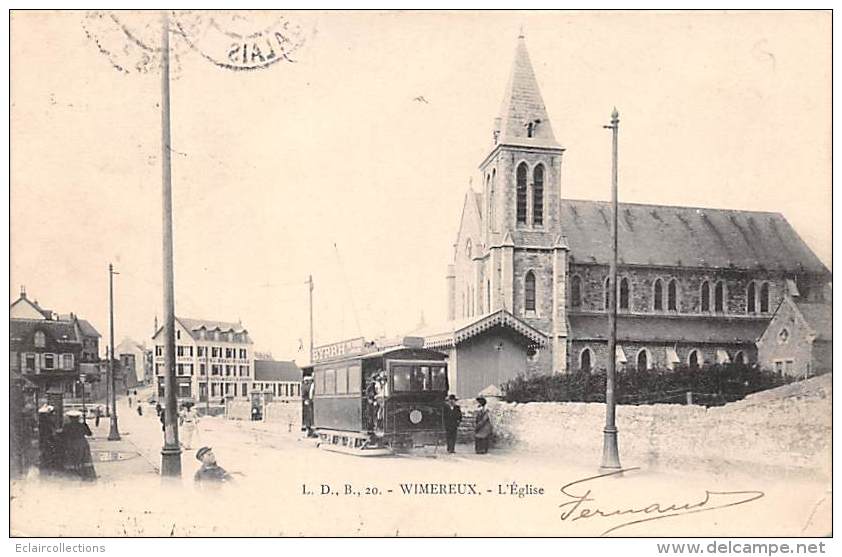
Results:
482 427
210 472
452 417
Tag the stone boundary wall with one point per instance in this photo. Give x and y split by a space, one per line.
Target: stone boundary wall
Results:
276 412
284 413
238 410
784 430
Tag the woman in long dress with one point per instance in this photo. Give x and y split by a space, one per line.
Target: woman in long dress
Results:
48 442
77 452
482 427
189 421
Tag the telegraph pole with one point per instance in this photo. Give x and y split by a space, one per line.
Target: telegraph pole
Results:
114 432
171 451
310 283
610 451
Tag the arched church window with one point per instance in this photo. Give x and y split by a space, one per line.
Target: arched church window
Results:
488 295
529 291
586 360
606 293
694 359
764 298
40 339
521 193
658 297
576 291
491 210
719 297
751 298
705 296
642 360
672 295
468 248
624 293
538 195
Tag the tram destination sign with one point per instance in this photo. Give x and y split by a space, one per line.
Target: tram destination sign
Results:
350 347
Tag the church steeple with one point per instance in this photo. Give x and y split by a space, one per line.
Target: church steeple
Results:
523 118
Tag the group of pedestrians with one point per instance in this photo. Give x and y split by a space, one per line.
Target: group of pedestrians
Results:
64 446
483 430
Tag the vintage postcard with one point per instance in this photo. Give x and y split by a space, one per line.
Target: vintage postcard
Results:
420 273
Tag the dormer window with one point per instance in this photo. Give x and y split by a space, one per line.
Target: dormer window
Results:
532 128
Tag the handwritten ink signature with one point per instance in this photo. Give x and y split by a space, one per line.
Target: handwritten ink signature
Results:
577 509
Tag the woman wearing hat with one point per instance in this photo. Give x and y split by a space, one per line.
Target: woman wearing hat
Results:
77 452
482 427
48 440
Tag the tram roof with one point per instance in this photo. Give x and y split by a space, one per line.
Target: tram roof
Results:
389 350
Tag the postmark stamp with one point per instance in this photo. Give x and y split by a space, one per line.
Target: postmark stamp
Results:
236 41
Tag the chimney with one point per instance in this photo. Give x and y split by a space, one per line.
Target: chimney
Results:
23 291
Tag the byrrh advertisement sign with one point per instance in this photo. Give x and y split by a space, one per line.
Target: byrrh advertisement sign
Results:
338 349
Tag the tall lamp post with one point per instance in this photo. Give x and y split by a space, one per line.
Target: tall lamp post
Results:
114 432
610 450
84 409
171 451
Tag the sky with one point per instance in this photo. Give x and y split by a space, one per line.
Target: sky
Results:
328 166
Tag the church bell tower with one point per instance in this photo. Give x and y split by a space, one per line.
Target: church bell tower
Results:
526 267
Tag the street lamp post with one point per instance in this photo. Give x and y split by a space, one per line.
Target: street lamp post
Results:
114 432
610 451
171 451
84 409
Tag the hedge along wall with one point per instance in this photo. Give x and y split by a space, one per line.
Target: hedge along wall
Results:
784 429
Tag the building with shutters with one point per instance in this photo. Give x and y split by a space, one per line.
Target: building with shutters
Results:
695 285
215 357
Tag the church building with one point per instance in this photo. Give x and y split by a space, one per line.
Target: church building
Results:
695 285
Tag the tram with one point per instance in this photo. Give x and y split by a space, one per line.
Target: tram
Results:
370 401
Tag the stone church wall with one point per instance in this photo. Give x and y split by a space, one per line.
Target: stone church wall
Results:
689 298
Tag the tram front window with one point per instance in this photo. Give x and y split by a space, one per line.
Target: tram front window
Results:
419 378
401 376
439 374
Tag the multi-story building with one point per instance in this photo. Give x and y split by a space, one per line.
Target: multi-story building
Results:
214 353
695 285
51 350
134 362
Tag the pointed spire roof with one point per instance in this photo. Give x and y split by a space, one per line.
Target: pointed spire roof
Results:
523 118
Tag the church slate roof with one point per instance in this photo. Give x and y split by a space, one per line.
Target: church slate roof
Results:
661 235
819 316
669 329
